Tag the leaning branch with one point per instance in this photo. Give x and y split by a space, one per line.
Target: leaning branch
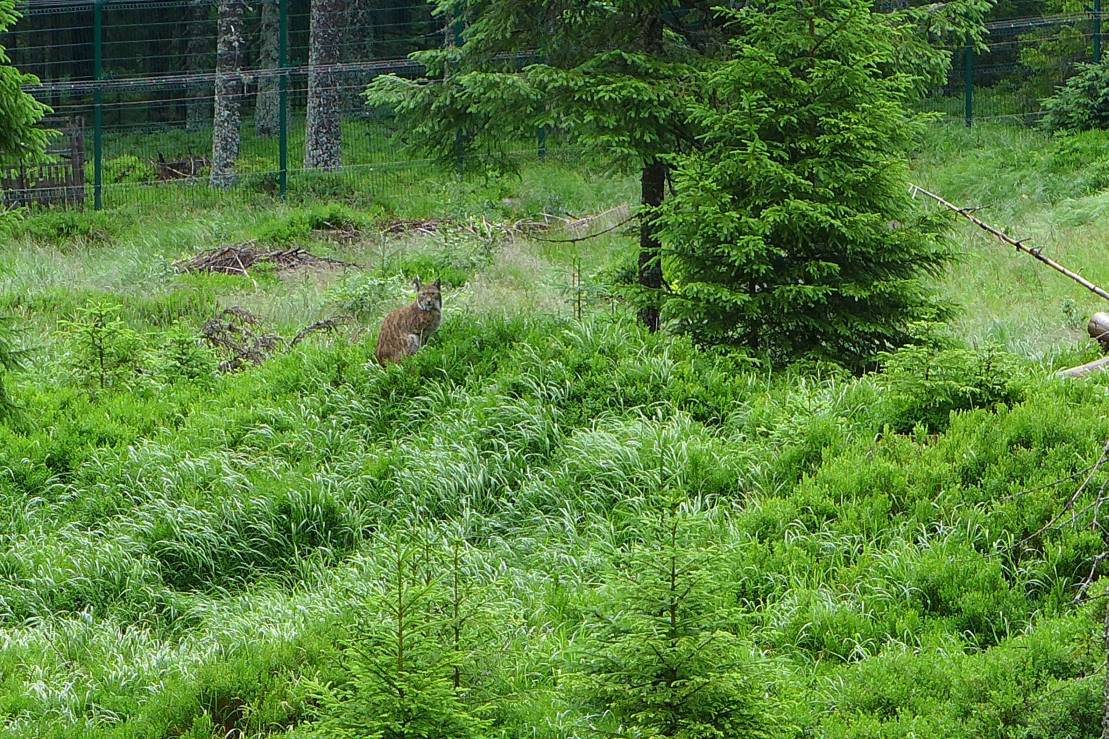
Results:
968 213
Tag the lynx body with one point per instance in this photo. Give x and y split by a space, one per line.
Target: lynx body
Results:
407 329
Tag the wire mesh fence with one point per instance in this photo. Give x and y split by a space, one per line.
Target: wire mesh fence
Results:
1025 61
141 80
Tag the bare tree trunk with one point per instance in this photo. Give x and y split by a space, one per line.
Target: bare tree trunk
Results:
361 27
229 91
198 108
652 192
266 107
323 137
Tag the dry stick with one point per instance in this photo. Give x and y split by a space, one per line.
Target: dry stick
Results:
1074 498
624 222
968 214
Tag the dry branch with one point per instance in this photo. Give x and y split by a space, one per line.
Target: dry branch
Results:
327 324
968 213
1098 365
236 259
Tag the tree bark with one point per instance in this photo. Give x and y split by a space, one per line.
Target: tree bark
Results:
323 137
1099 329
198 108
229 91
266 106
652 192
361 38
653 189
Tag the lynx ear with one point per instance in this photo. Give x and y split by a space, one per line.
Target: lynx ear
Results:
416 284
438 284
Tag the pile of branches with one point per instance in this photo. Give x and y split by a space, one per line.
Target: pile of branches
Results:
484 228
236 259
235 331
422 227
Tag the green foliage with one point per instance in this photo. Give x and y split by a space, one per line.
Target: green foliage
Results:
407 663
298 224
665 660
1082 103
19 111
182 356
802 240
11 359
924 387
128 169
54 226
104 350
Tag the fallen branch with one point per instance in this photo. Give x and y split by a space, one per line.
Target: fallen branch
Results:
580 225
327 324
1098 365
968 213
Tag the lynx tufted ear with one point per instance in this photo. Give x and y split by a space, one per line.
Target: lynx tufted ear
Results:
438 284
416 284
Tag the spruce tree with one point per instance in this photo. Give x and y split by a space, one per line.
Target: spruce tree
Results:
621 79
792 231
664 658
20 139
412 654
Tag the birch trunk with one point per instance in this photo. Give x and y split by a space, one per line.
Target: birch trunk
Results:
266 106
198 107
229 91
323 135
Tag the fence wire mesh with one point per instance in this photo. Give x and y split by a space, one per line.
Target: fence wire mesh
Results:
134 83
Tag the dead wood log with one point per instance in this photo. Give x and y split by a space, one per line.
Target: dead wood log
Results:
1099 330
1098 365
1000 235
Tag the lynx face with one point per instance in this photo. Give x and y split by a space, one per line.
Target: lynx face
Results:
429 297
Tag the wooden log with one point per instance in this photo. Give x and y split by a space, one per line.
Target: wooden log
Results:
1099 329
1098 365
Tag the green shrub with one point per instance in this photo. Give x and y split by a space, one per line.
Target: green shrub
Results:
54 226
298 224
128 169
925 386
1082 103
181 356
104 351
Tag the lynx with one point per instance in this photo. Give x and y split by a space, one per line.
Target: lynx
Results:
407 329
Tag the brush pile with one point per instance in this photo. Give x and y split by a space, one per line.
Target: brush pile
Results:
235 332
236 259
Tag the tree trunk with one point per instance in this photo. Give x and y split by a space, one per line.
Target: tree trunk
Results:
362 35
229 91
652 192
653 188
323 137
266 107
198 108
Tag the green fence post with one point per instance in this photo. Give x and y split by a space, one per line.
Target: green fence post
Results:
1097 31
283 97
542 143
968 82
98 104
459 144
